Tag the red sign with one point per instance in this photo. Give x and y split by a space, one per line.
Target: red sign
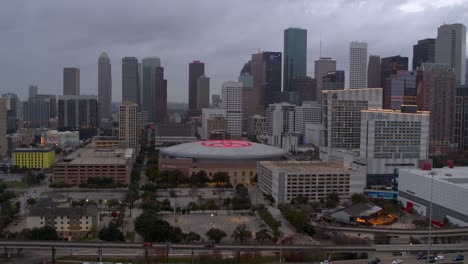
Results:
226 144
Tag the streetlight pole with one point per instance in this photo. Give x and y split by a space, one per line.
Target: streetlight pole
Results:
432 173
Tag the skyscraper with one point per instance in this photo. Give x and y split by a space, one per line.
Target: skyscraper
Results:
128 125
3 126
36 113
196 69
232 104
12 102
306 87
374 72
104 85
160 110
435 84
450 48
266 72
461 117
333 80
77 111
71 81
295 56
323 65
130 80
357 65
33 90
390 66
400 89
424 51
203 92
149 86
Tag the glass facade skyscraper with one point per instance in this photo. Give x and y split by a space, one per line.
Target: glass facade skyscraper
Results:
295 56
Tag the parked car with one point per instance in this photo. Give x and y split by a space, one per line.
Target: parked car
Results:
459 258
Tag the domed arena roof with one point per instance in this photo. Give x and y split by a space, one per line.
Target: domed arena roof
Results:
223 149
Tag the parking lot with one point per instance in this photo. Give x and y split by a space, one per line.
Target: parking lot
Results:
201 223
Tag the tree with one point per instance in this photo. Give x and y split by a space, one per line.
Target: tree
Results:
333 199
111 233
151 228
298 219
192 236
241 233
262 236
199 178
358 198
220 177
215 234
31 201
301 200
43 233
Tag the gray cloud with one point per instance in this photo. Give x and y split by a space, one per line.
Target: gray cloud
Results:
39 38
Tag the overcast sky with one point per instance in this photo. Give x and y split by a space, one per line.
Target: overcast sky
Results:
39 38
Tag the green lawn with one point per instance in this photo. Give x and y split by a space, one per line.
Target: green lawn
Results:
16 184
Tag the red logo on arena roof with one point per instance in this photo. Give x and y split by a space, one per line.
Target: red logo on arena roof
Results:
226 144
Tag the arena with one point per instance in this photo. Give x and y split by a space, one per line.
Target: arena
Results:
236 157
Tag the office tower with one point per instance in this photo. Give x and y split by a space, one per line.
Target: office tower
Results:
232 104
36 113
374 72
71 81
385 152
11 104
142 120
33 90
461 117
341 118
281 126
424 51
357 65
160 115
435 84
400 89
323 65
3 126
130 80
266 72
216 100
105 86
307 114
390 66
450 48
466 71
128 125
140 84
333 80
149 86
306 87
212 119
52 99
203 92
196 69
295 56
77 111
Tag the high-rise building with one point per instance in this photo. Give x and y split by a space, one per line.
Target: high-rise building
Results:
12 102
424 51
281 126
461 117
212 119
341 118
130 80
160 115
33 91
78 111
266 72
306 87
196 69
389 67
36 113
52 99
295 56
203 92
71 81
307 114
400 89
357 65
323 65
149 86
333 80
232 104
3 126
450 48
392 140
104 86
128 124
216 100
435 84
374 72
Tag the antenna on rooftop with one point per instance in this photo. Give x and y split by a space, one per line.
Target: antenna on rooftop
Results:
320 52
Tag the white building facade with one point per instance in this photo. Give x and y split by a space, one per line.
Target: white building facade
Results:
450 48
207 115
357 65
128 124
232 104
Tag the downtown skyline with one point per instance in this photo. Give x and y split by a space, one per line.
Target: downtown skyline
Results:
176 41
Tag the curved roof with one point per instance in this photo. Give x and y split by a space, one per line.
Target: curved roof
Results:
224 149
104 55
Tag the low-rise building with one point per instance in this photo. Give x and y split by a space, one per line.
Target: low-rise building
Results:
76 168
34 158
359 213
63 139
67 221
286 180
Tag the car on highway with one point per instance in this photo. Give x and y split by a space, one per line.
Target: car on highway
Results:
459 257
440 257
325 262
397 261
147 245
421 256
209 245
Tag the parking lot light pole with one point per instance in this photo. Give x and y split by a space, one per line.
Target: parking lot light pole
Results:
432 173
